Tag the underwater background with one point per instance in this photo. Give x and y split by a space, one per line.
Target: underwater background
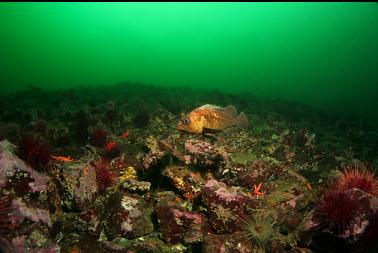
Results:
188 127
322 54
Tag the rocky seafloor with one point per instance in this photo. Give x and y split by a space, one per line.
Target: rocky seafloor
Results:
105 170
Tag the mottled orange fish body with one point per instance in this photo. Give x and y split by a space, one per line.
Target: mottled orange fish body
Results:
62 158
110 146
125 134
213 118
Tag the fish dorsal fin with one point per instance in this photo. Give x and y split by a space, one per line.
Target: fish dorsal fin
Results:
208 106
231 110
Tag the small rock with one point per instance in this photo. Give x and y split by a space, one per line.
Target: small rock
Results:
127 215
36 240
79 185
227 205
178 224
186 181
204 154
136 186
152 158
228 243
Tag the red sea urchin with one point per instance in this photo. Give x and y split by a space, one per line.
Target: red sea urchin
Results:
5 209
104 175
34 152
337 210
360 177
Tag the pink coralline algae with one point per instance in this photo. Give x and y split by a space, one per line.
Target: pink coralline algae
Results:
227 205
204 154
222 192
11 165
178 224
21 212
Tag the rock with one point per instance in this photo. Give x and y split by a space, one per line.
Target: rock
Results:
226 205
152 158
88 243
79 185
72 225
148 244
259 171
127 215
36 240
228 243
128 173
278 197
136 186
185 181
178 224
16 175
33 194
130 158
21 212
204 154
155 155
243 158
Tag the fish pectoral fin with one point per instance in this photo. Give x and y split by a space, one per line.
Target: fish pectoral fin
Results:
229 130
213 136
210 130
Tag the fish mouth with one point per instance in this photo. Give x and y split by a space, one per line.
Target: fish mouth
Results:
181 128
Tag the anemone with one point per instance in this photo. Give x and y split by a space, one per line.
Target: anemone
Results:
259 230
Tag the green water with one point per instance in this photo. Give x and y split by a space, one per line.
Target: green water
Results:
322 54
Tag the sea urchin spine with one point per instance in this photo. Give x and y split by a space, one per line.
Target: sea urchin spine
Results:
360 177
337 210
104 175
34 152
5 209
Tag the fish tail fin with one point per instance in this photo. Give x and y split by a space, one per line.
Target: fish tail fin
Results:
242 121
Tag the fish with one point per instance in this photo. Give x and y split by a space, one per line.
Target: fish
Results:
125 134
62 158
111 146
211 118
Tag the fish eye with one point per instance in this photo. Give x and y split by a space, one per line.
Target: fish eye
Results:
186 121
